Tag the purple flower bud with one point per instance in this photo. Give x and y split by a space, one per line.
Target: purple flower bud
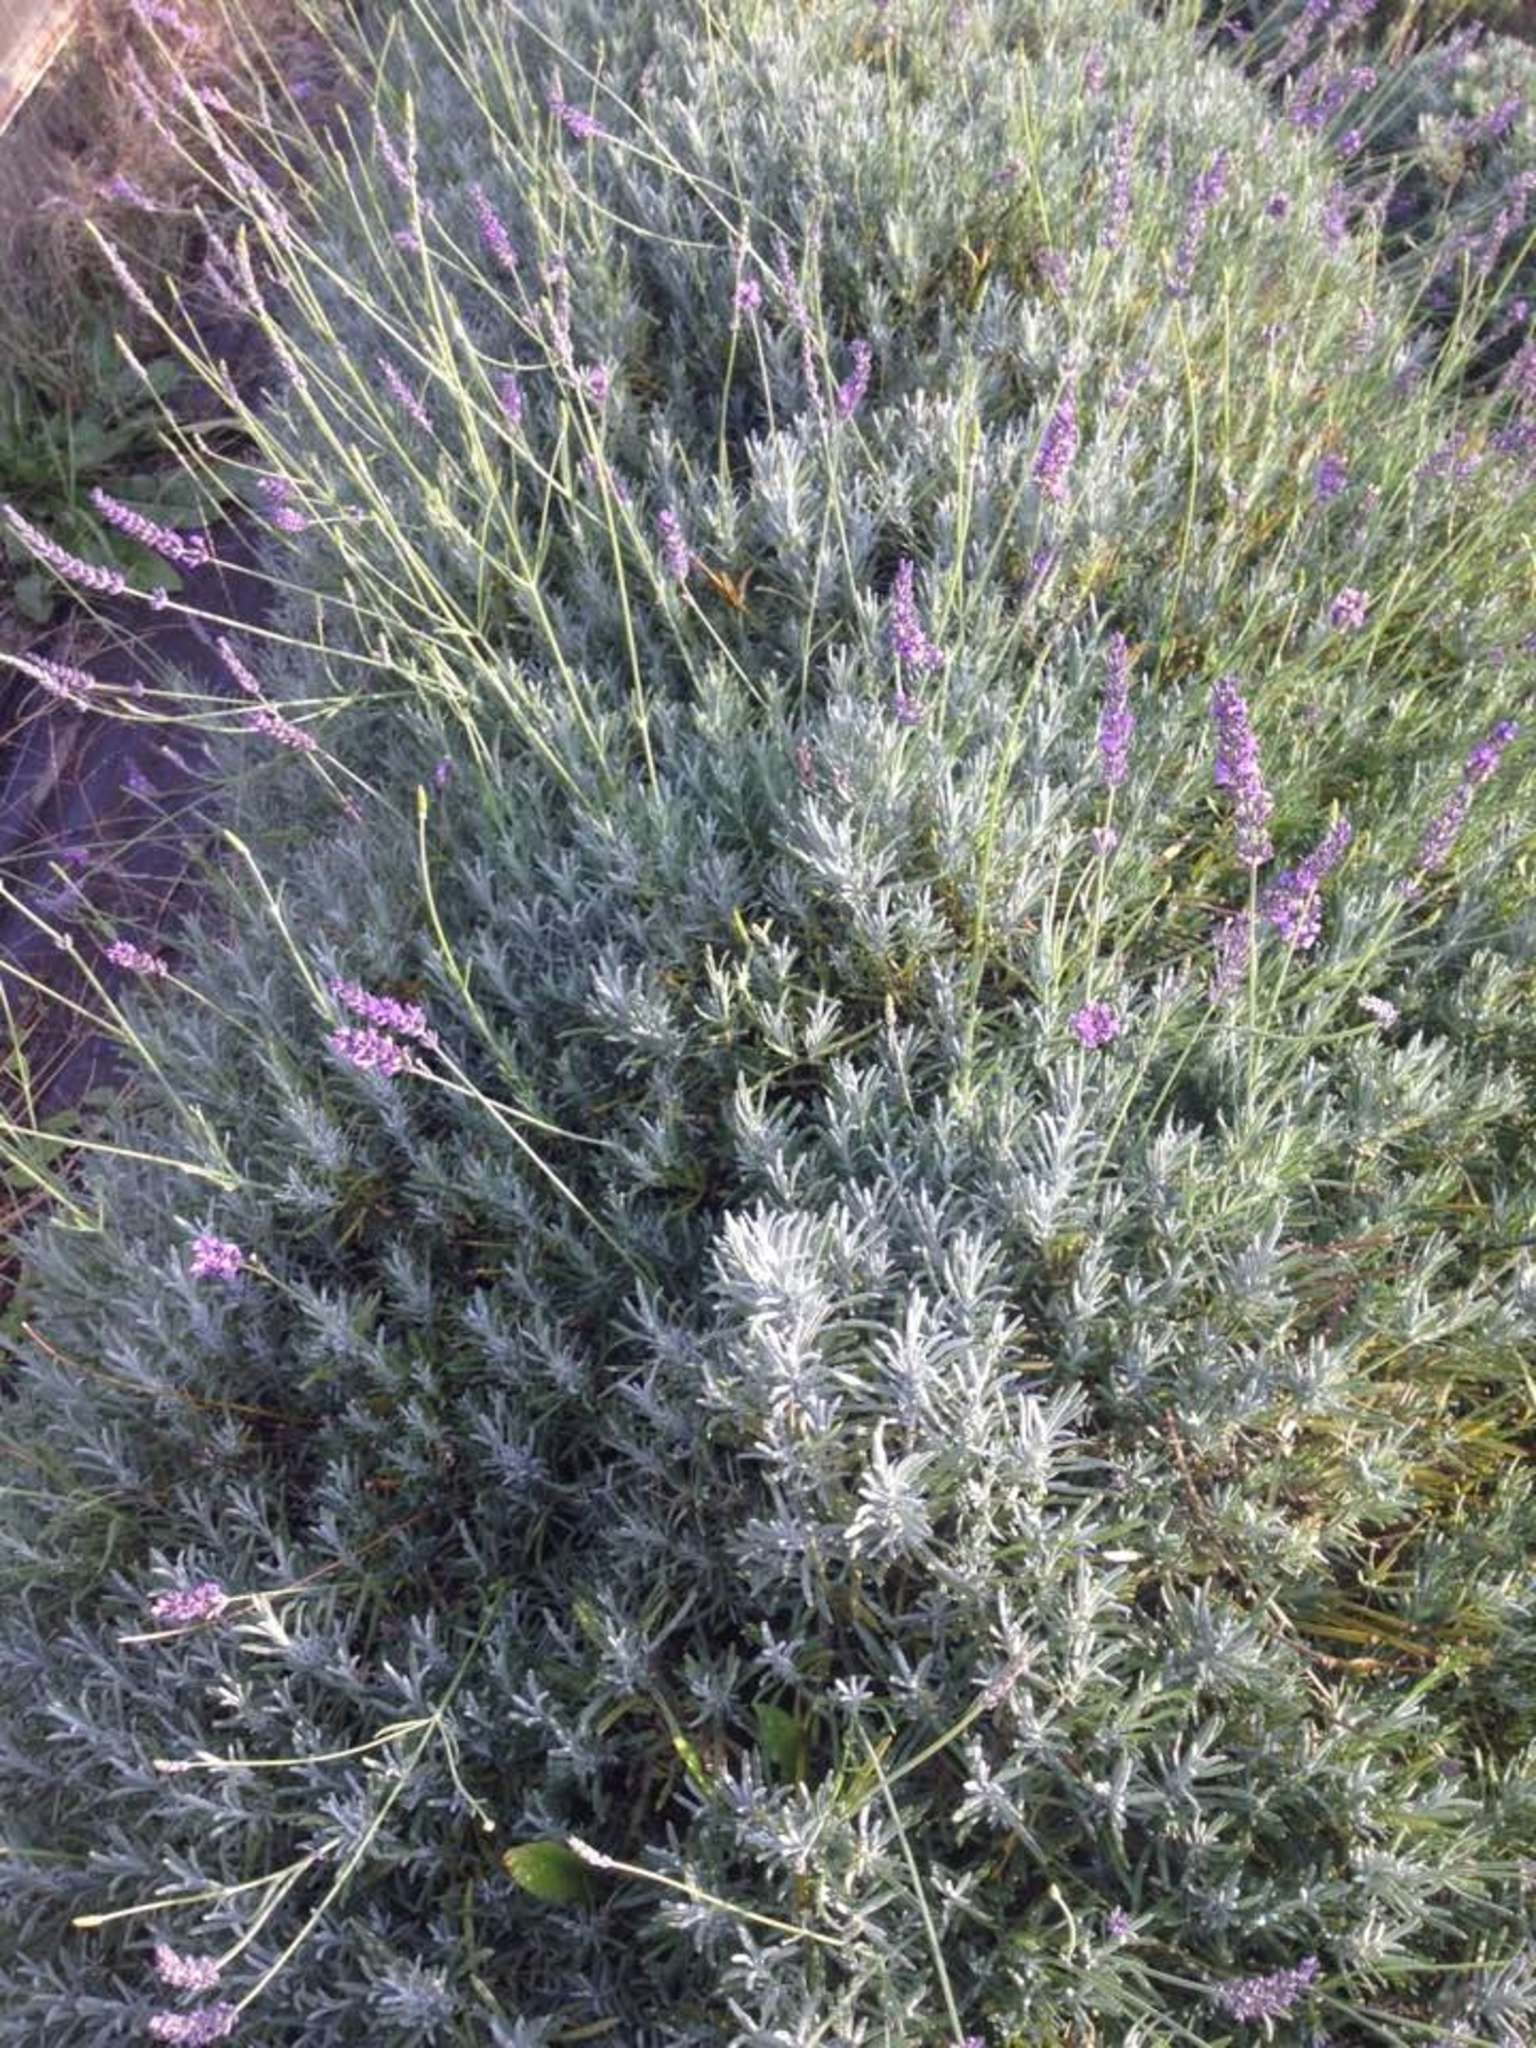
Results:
850 393
442 774
1122 164
1348 611
215 1258
1119 1925
194 2029
1274 1997
1237 769
1377 1007
1095 70
205 1601
1117 722
403 395
1335 217
598 379
907 709
278 492
187 551
384 1012
576 120
493 232
1332 478
58 678
1096 1025
105 582
675 551
134 960
1235 937
185 1973
1291 902
1277 205
1058 448
272 725
1484 759
747 297
510 394
909 643
372 1052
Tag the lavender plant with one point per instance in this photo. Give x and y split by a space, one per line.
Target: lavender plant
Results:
701 1394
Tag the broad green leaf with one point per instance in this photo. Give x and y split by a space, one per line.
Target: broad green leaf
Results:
781 1739
549 1871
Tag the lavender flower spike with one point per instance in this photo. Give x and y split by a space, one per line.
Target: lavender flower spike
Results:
675 551
134 960
850 393
1348 611
187 551
493 231
216 1258
1291 901
1266 1998
1058 448
69 685
372 1052
403 395
88 575
1117 722
205 1601
185 1973
1095 1025
909 643
194 2029
1237 769
1484 758
384 1012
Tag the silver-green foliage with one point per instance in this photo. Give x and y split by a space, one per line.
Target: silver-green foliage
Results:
766 1401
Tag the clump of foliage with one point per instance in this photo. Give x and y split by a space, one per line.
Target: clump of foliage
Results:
813 1324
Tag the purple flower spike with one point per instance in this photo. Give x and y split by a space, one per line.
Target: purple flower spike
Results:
909 643
510 394
1058 448
747 297
442 774
1234 947
675 551
1484 759
1348 611
1207 190
134 960
575 120
1332 478
1266 1998
493 231
1118 1925
598 379
1117 722
1122 165
58 678
1384 1013
850 393
372 1052
1104 839
1277 205
273 726
1291 902
1096 1025
403 395
194 2029
1095 70
205 1601
92 576
908 710
215 1258
185 1973
187 551
1237 769
384 1012
278 492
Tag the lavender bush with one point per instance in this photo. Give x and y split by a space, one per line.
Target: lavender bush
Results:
812 1321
